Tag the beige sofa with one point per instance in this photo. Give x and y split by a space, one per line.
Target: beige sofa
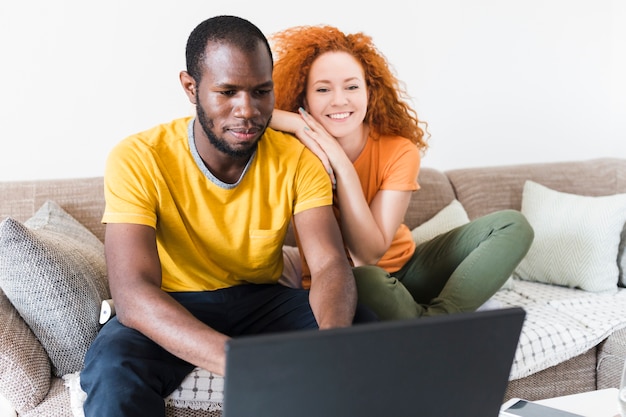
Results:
479 190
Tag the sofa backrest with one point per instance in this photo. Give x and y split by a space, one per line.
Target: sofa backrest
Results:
487 189
83 198
434 194
480 190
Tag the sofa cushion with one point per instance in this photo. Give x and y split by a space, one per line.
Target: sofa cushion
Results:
24 365
434 194
56 404
53 271
576 238
451 216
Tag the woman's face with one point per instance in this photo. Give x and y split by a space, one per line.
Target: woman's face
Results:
336 94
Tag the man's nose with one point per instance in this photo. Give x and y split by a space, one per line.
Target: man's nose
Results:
246 106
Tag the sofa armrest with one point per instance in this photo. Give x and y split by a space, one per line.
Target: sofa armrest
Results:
24 365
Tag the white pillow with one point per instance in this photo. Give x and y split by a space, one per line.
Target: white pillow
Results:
576 238
451 216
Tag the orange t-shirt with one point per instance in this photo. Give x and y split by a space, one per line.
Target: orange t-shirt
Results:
390 163
386 163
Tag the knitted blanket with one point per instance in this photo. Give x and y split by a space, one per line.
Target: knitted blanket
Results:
561 322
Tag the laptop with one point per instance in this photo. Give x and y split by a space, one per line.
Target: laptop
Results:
450 365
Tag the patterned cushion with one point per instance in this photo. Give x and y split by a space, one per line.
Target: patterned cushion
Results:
576 238
53 271
24 365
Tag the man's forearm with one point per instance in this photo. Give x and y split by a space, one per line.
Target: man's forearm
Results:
169 324
333 296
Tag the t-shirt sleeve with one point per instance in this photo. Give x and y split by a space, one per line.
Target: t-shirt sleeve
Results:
129 195
402 168
313 186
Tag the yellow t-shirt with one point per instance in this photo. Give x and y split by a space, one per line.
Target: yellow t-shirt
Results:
211 235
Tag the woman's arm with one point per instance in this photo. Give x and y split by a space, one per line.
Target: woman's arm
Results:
368 230
292 123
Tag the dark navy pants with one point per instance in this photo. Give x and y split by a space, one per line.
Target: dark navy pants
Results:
127 374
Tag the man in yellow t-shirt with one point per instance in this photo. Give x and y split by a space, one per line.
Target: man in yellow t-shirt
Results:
196 212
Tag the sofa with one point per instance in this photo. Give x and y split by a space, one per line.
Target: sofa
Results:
587 354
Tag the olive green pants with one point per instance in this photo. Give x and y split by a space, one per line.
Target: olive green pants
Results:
454 272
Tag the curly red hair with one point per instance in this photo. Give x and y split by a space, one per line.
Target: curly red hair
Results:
296 48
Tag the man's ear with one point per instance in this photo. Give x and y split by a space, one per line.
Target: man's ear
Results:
189 86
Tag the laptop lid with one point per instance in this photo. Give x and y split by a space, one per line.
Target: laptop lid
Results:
450 365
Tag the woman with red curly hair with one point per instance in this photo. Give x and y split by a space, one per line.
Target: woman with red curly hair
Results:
338 95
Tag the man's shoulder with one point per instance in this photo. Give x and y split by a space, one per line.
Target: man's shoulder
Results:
159 135
285 144
280 137
175 128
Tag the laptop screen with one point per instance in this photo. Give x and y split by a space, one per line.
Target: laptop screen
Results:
450 365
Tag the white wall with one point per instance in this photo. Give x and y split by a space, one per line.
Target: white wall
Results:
498 81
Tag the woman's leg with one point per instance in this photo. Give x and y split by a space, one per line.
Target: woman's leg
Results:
456 271
384 294
461 269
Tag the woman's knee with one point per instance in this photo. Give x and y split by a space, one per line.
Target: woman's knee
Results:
512 221
369 275
384 294
523 230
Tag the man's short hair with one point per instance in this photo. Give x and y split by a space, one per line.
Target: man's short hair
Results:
232 30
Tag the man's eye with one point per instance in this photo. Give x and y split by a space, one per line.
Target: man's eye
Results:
228 93
264 92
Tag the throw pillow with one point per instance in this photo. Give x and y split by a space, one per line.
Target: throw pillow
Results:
451 216
53 271
576 238
24 365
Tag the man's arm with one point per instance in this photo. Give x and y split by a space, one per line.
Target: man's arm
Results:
134 273
333 291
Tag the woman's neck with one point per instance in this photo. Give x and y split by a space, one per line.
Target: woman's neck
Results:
354 143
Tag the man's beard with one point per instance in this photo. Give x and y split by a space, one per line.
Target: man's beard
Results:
219 143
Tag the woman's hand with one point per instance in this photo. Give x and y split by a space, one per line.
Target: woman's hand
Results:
302 129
